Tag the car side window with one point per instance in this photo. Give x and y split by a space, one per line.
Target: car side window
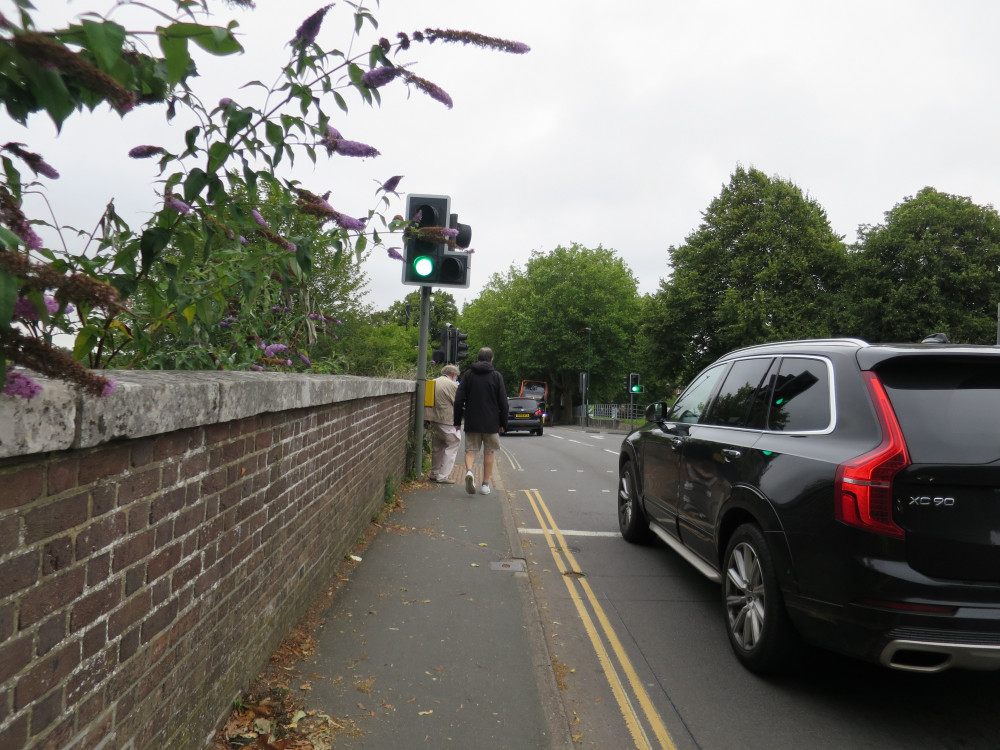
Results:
800 396
691 405
742 401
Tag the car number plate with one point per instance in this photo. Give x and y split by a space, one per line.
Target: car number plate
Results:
521 416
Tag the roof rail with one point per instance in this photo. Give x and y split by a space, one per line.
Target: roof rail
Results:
844 341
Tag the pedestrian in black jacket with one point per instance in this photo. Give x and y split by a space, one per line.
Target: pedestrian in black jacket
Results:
482 400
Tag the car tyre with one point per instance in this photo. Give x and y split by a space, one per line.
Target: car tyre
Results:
538 431
631 518
759 629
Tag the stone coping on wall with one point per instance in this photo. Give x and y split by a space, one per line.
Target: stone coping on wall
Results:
156 402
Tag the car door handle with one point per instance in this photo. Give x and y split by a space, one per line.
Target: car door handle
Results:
677 442
731 454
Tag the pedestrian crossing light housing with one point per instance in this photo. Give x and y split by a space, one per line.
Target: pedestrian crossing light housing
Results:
436 244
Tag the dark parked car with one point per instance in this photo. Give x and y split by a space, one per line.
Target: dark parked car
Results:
844 494
525 414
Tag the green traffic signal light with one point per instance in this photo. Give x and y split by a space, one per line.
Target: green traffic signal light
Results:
423 266
637 388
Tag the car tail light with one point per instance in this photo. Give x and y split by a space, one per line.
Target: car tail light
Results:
538 413
863 490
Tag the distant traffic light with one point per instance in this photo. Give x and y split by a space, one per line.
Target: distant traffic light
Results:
460 350
435 252
443 354
633 383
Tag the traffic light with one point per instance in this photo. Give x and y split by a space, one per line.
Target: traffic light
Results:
434 246
459 350
633 383
443 355
627 382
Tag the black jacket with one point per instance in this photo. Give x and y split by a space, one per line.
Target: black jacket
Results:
481 399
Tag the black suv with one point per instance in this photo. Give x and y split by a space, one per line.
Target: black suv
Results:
525 414
844 494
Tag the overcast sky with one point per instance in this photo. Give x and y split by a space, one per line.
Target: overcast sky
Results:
618 128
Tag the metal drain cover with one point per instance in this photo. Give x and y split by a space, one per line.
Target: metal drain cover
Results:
512 566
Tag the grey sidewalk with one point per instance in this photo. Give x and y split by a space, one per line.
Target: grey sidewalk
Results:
435 640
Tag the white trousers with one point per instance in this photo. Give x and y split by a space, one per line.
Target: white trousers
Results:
445 440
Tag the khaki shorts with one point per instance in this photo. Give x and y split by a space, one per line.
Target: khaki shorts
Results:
488 441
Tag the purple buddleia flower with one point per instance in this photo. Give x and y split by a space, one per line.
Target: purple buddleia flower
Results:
377 77
109 388
354 148
431 89
348 222
306 33
436 234
33 160
395 254
259 219
145 152
478 40
225 101
392 183
177 205
256 368
305 359
272 349
20 385
25 309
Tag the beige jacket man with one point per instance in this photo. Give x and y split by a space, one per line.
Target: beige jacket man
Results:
445 437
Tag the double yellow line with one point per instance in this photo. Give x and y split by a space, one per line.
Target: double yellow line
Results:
575 584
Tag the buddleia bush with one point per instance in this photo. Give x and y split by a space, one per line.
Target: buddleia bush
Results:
218 276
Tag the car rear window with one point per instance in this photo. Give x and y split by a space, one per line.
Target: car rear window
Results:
800 396
522 404
948 407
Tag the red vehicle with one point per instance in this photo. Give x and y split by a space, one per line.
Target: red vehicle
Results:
535 389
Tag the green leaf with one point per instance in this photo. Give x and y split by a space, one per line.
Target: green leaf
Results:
216 190
105 40
8 296
8 238
218 152
237 122
191 139
355 72
213 39
153 241
175 52
194 184
275 134
85 341
340 100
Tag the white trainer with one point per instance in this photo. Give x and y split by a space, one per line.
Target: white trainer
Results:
485 489
470 483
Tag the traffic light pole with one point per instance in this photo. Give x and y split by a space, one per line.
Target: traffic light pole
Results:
418 427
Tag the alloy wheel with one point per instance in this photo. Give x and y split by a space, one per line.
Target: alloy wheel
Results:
745 596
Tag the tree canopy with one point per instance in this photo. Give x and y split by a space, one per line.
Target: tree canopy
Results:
932 266
763 266
536 319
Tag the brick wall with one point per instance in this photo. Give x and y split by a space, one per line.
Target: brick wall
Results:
146 577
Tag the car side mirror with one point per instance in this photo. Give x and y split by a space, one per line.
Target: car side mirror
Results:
658 411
